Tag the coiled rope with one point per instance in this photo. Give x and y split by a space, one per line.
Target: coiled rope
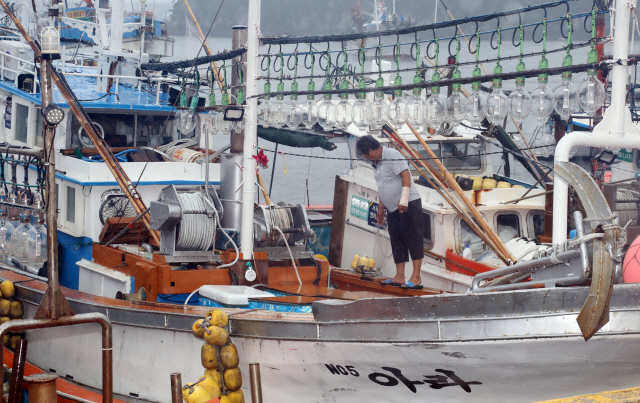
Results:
278 218
197 228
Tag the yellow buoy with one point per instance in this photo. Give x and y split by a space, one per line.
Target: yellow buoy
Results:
185 391
210 385
198 394
225 399
236 397
13 339
488 183
216 335
517 187
320 257
232 379
214 374
5 304
229 356
208 356
15 309
504 185
197 330
218 317
7 289
362 263
477 182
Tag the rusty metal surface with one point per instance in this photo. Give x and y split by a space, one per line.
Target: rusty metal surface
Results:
256 383
42 388
592 199
176 387
595 311
19 362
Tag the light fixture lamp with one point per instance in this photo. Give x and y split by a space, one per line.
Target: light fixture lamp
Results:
50 43
53 115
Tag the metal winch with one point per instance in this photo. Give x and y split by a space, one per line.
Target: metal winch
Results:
186 219
277 226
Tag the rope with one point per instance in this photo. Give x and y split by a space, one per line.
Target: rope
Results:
197 229
628 206
278 218
184 64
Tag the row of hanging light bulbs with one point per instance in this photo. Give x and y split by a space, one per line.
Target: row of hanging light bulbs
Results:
19 238
438 109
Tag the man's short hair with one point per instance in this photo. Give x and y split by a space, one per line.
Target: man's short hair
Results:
366 144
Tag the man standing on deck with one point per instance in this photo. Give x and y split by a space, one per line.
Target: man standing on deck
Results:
399 195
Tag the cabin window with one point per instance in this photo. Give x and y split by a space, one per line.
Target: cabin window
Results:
462 156
39 141
507 226
427 233
535 224
22 122
468 237
71 205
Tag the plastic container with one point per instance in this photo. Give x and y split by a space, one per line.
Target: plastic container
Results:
466 253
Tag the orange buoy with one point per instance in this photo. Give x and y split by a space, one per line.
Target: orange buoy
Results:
631 266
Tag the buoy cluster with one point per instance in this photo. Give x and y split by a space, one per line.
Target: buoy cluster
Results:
222 379
10 309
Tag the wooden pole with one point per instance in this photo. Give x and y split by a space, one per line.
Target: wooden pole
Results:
474 211
533 155
206 46
267 199
119 174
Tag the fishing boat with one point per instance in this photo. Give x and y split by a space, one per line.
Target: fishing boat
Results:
510 310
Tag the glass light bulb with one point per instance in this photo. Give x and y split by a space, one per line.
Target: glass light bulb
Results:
542 102
566 99
214 121
398 111
457 108
186 121
591 94
380 113
519 104
278 113
238 125
37 244
4 247
415 111
294 114
362 113
309 113
548 141
264 112
343 114
477 108
435 112
327 114
19 240
497 106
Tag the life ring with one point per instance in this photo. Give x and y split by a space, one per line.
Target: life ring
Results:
85 141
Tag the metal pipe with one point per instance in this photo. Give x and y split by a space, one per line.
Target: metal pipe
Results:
176 387
256 383
584 255
17 373
251 130
205 129
612 137
107 341
22 151
531 264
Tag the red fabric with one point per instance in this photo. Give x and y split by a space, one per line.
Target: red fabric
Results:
261 159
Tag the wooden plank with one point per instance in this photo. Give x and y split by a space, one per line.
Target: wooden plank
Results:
340 192
350 281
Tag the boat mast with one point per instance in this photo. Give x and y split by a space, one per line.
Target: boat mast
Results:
251 130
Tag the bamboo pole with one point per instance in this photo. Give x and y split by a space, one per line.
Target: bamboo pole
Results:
533 155
452 199
121 177
474 211
267 199
206 45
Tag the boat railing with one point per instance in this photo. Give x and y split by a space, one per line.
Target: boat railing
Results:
21 68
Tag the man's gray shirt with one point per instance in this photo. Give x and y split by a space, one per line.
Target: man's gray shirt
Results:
387 173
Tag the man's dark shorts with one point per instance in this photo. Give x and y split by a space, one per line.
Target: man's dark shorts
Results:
406 232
